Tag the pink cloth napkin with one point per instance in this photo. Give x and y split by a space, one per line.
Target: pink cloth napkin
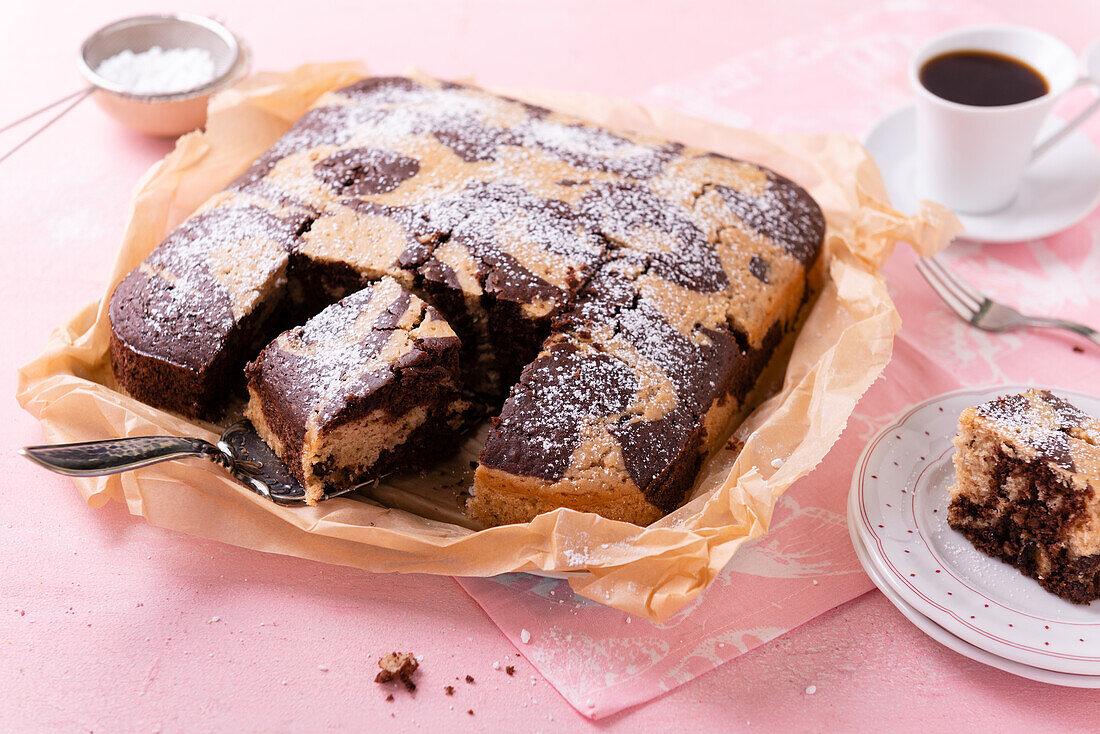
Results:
603 661
849 74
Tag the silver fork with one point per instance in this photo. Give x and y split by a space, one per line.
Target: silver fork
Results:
979 310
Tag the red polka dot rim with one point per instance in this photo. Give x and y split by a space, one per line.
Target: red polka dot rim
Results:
895 514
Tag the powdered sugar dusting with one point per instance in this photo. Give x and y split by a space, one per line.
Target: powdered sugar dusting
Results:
584 229
198 278
1040 421
346 348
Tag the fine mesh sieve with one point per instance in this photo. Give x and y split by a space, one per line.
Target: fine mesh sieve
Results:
142 32
166 115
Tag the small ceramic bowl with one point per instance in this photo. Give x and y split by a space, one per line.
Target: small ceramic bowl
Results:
166 115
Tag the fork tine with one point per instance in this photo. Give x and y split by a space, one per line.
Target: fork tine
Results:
938 270
946 294
960 283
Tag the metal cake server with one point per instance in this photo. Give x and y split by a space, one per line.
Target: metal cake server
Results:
240 450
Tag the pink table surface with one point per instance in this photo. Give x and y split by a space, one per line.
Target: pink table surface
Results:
109 624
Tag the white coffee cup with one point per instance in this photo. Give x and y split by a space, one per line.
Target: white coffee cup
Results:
973 159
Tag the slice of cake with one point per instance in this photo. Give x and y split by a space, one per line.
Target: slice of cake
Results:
368 386
186 320
1027 489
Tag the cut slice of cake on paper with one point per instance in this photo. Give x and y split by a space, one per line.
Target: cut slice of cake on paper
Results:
1027 489
368 386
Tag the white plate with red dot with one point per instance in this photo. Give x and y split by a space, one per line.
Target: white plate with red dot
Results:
948 640
898 509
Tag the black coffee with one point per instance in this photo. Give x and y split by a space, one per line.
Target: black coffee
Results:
982 78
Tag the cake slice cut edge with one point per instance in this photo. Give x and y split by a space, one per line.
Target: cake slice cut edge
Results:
1027 489
367 387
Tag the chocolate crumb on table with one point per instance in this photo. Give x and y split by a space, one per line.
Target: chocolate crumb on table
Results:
510 670
449 690
1078 348
469 679
399 666
389 697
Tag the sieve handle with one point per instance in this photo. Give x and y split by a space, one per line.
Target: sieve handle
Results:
77 97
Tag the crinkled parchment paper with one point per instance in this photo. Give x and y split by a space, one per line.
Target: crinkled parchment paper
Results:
843 347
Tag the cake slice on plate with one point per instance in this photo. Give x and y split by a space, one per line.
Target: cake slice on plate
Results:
368 386
1027 489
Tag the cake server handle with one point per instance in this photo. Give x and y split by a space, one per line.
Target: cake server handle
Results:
96 458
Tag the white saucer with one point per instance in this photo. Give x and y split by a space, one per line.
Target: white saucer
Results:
899 512
948 640
1060 189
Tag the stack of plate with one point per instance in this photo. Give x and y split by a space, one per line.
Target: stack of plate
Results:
976 605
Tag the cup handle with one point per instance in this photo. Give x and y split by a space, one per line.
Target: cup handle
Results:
1051 140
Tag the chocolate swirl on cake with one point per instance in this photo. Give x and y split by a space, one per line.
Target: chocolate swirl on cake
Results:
627 291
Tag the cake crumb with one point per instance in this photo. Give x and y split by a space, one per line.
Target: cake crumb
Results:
389 697
524 636
510 670
1078 348
469 679
449 690
399 665
470 712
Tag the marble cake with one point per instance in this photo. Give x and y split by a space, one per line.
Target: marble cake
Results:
629 290
368 386
1027 489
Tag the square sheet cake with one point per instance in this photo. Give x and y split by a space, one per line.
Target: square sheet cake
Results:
615 296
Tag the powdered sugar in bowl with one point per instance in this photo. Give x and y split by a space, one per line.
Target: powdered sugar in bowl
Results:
155 73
